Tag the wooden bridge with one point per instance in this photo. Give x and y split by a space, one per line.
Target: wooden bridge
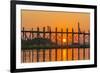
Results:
33 40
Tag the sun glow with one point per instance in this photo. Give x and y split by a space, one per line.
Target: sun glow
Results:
64 40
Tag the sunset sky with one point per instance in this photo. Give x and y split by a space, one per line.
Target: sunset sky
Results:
35 18
60 19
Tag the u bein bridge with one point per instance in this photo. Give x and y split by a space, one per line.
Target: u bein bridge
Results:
46 45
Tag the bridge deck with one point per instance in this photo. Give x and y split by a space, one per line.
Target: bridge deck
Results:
54 47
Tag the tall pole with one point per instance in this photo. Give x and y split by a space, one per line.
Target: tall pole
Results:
56 43
43 49
50 45
38 42
61 44
67 43
72 44
78 41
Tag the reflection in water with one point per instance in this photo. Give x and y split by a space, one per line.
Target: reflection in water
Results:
53 54
75 51
64 54
69 54
29 56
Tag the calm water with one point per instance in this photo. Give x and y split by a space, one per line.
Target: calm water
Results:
55 55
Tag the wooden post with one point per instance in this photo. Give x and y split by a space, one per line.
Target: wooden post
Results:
89 45
72 44
43 49
30 38
50 45
78 42
23 33
32 49
67 43
21 48
84 45
38 32
56 43
61 44
24 52
38 48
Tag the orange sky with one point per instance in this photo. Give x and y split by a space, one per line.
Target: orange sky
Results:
33 19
